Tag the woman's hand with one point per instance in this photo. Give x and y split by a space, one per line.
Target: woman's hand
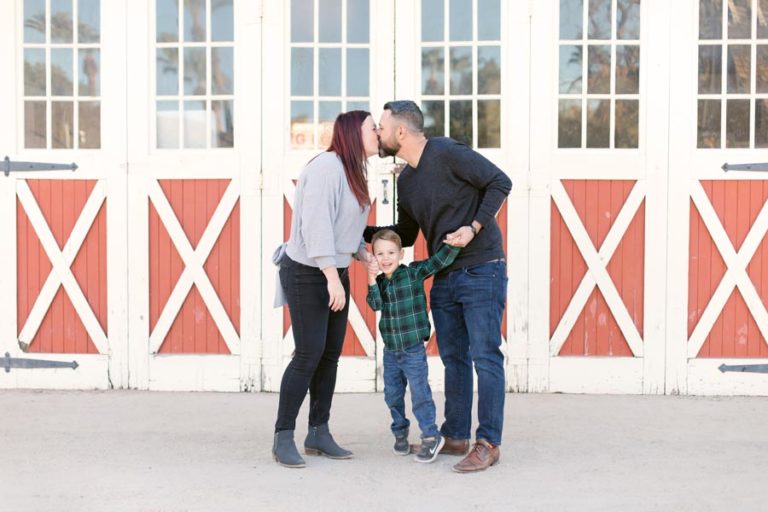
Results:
337 297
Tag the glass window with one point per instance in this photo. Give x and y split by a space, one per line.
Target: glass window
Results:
461 70
62 74
599 74
330 67
732 74
194 74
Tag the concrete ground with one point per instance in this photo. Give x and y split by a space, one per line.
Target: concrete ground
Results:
157 452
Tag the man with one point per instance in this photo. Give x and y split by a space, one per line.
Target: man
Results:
450 192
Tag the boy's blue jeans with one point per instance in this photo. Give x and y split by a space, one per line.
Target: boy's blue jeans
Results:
403 368
467 308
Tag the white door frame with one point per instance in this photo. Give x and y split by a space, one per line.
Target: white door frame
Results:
147 165
108 368
647 165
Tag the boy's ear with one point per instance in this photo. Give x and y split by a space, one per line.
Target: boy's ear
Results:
402 253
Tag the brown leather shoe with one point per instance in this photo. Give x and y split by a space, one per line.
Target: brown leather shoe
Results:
482 456
455 446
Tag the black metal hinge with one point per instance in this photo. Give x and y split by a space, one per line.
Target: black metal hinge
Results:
748 368
9 166
17 362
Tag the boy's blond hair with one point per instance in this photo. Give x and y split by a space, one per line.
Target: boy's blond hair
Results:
388 235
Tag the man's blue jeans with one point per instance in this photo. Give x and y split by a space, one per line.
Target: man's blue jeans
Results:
409 367
467 308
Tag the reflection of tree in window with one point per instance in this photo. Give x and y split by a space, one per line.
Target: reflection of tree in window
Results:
91 71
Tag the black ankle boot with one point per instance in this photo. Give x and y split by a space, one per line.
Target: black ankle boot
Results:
284 450
319 441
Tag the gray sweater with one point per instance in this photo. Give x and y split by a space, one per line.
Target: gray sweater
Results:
327 225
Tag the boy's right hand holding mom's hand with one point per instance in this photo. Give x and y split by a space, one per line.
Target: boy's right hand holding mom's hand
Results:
372 267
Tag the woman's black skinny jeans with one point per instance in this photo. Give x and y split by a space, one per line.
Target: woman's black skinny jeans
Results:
318 333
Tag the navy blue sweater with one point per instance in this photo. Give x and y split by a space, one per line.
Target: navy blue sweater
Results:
452 186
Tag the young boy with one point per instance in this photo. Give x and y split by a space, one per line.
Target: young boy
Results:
404 325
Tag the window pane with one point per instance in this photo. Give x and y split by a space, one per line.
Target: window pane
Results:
762 68
461 121
489 70
627 116
710 69
222 71
461 70
302 19
194 71
89 117
223 129
89 25
569 124
599 70
432 71
194 20
358 21
761 123
89 65
61 72
167 20
167 124
302 61
432 20
62 124
34 124
628 19
599 26
329 70
739 19
708 127
570 69
571 13
329 22
762 19
739 69
34 72
488 20
358 72
627 69
357 105
34 22
598 123
461 20
194 124
222 21
167 80
737 124
434 118
710 19
61 21
302 125
327 113
489 124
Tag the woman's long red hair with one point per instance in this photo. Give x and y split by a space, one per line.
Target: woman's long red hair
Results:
347 142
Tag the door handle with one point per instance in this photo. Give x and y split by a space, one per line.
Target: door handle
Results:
385 199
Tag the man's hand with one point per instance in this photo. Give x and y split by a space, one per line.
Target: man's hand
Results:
460 238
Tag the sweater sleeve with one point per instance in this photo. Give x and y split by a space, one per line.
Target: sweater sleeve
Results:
407 228
481 173
320 203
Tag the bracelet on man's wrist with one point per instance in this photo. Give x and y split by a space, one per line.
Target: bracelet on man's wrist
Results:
474 229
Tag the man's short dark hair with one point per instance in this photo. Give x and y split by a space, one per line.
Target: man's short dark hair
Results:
408 112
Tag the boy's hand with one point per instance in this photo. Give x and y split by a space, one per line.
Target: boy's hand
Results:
373 268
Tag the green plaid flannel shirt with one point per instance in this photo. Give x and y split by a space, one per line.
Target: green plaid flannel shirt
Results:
402 302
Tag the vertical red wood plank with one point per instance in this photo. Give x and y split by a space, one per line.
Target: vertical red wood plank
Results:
604 213
754 271
741 195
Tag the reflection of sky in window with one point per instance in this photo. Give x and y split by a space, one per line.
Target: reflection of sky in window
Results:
357 72
571 12
222 21
329 22
88 12
167 70
167 20
570 69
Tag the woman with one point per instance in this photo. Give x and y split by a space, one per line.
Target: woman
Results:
329 215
